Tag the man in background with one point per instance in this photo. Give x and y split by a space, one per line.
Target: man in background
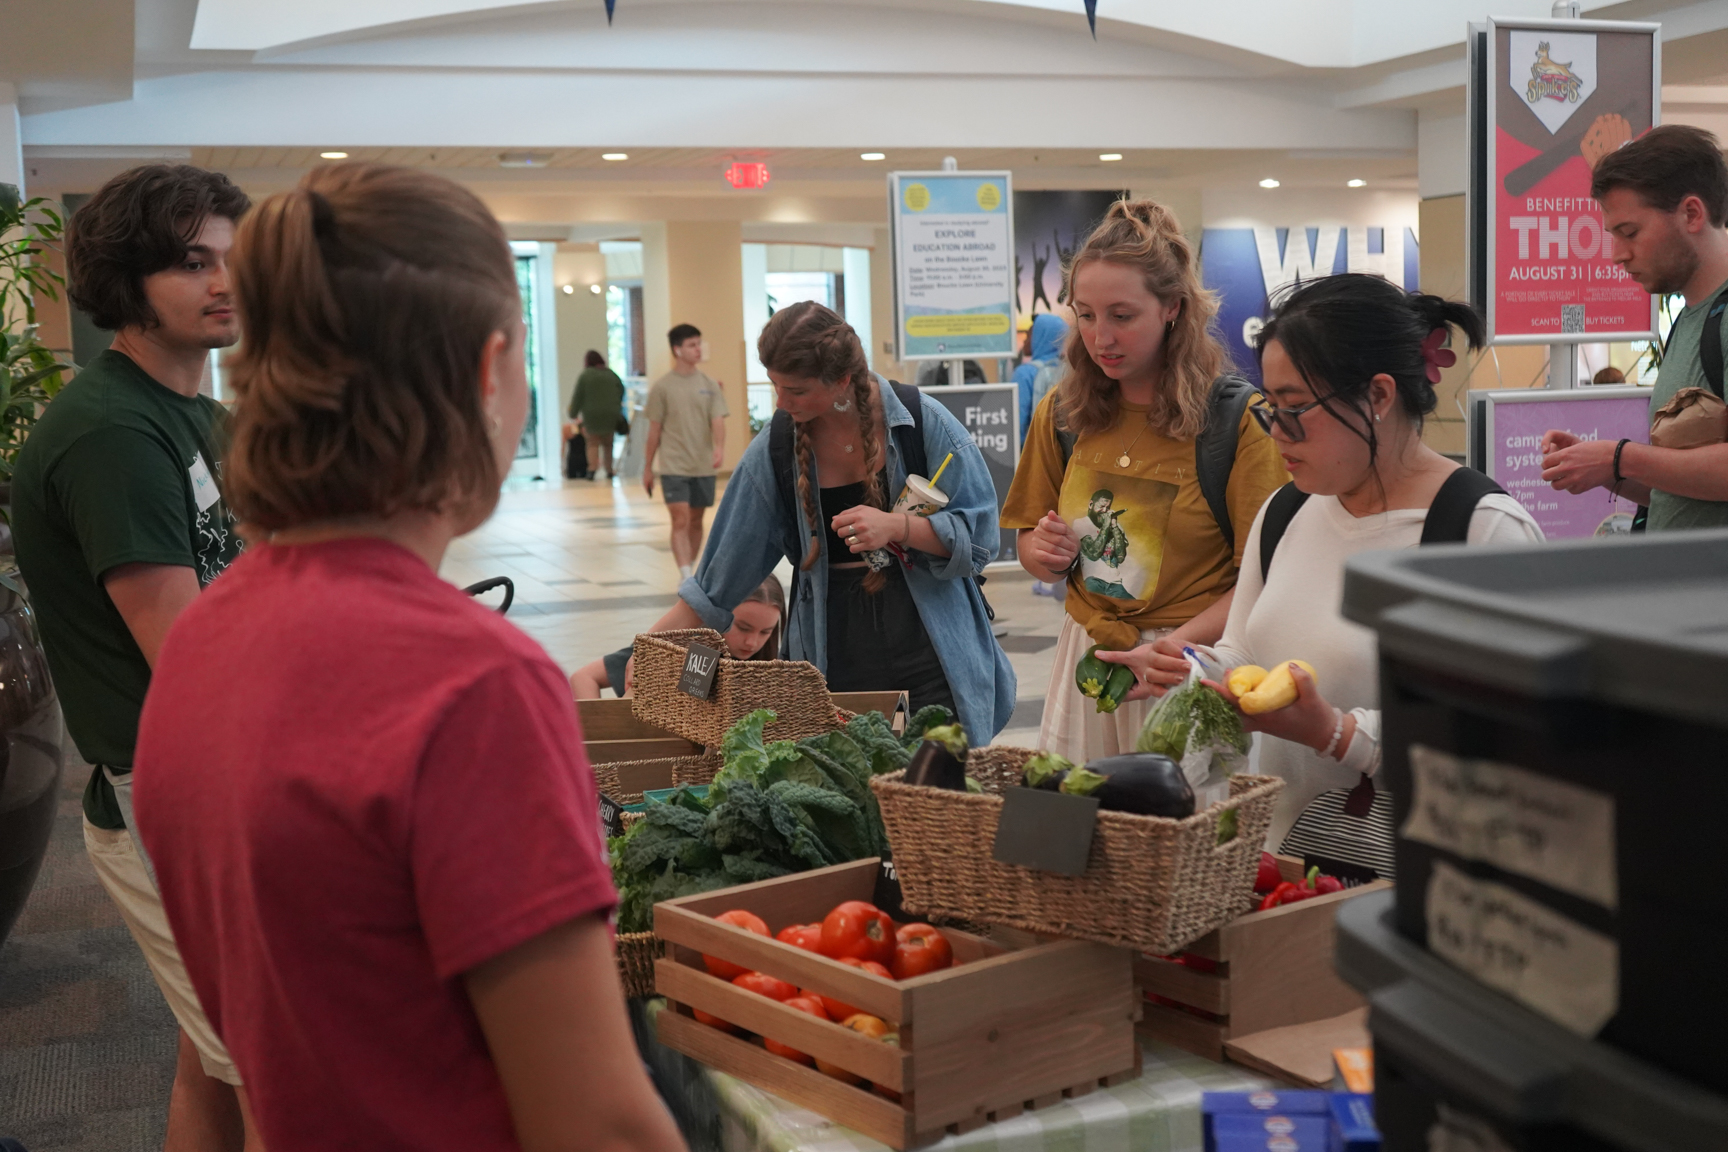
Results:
120 523
1664 200
686 413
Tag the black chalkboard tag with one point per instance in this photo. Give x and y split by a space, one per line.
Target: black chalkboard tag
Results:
611 816
887 895
700 664
1049 831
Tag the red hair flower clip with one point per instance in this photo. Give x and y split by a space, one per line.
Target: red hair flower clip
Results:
1436 356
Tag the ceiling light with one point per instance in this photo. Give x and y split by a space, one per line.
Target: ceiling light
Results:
1268 183
333 155
1355 183
1109 155
872 155
594 288
614 155
569 289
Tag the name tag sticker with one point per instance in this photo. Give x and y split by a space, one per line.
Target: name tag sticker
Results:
1540 958
204 491
1548 830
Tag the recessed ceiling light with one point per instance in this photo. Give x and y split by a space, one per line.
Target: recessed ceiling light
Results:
333 155
1355 183
614 155
872 155
1268 183
1109 155
569 289
594 288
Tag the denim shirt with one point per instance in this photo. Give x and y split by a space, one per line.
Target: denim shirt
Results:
749 538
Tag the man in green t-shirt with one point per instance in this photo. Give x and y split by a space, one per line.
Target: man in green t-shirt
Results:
1664 200
686 412
120 522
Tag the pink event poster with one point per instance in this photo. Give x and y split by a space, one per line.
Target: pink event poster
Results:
1515 431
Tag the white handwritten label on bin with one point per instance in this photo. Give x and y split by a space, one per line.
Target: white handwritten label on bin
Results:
1548 830
700 664
1554 965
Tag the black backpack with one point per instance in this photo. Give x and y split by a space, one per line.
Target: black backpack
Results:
1214 448
1448 519
782 456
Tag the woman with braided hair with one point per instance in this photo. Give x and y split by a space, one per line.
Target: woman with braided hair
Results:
881 599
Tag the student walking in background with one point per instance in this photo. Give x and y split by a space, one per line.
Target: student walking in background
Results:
686 413
1109 496
120 524
597 406
365 794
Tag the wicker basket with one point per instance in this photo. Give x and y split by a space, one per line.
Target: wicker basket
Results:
794 689
684 770
637 952
1150 884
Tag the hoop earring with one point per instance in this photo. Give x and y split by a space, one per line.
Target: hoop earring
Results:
842 406
1169 327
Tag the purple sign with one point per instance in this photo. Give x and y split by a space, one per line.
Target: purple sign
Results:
1515 430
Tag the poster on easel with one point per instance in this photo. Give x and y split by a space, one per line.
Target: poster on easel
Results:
953 244
1548 99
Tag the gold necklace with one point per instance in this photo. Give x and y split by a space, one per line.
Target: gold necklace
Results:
1125 459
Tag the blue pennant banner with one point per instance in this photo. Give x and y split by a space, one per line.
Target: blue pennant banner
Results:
610 4
1091 15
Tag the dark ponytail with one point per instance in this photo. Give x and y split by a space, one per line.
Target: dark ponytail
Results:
1341 331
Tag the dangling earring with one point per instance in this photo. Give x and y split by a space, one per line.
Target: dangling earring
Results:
842 405
497 425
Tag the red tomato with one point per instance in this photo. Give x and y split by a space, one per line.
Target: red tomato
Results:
859 930
918 949
765 985
869 966
713 1021
805 936
803 1004
839 1009
738 918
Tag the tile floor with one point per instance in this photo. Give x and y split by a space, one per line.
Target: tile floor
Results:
592 567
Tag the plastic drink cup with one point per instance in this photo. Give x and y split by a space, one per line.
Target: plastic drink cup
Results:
920 497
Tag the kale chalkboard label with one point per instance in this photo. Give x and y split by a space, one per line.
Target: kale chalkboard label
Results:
700 664
1049 831
611 816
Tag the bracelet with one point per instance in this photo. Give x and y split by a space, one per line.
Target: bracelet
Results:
1337 734
1619 448
906 537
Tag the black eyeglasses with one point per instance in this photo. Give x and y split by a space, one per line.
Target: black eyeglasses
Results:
1286 420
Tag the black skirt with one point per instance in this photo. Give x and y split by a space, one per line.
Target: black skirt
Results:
878 643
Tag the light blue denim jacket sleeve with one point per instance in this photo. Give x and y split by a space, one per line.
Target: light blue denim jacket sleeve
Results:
752 531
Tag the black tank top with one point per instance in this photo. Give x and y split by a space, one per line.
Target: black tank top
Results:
835 501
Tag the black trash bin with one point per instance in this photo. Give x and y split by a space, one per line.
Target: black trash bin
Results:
1556 741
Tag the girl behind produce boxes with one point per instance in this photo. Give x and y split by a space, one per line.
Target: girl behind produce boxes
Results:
1350 362
920 624
1109 495
366 795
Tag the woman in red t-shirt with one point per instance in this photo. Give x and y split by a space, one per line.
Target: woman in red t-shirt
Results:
366 796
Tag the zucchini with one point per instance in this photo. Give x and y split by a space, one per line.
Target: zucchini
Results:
1120 683
1091 674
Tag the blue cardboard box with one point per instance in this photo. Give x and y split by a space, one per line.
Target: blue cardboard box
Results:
1253 1108
1269 1132
1353 1127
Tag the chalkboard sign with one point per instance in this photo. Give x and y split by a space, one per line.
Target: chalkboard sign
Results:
611 816
887 896
700 664
1049 831
991 414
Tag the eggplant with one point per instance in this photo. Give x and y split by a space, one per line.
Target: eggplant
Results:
1142 783
1119 684
1091 674
940 761
1046 771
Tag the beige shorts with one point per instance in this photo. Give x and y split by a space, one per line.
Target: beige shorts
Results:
1073 726
123 873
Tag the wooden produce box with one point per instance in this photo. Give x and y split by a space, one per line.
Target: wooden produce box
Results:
1268 969
611 730
1000 1032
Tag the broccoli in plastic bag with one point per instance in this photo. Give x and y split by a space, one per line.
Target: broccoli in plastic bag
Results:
1198 729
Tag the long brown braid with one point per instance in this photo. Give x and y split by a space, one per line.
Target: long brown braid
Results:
811 341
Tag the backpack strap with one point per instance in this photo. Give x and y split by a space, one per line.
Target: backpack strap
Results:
1280 510
1215 447
911 439
1448 519
1710 343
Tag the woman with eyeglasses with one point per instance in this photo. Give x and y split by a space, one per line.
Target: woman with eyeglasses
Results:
1349 364
1108 495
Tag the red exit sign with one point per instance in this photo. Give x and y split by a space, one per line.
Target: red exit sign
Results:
747 174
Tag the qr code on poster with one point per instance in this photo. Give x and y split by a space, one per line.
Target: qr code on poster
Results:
1571 317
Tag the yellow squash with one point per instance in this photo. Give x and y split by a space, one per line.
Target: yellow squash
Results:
1277 690
1245 679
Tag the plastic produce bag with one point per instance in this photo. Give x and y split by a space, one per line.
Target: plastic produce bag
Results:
1198 729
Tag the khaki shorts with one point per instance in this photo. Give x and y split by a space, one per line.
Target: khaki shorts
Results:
124 874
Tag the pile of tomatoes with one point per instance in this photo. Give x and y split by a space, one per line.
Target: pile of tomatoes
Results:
856 934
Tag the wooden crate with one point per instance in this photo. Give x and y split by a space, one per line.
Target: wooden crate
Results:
611 730
1268 969
1000 1032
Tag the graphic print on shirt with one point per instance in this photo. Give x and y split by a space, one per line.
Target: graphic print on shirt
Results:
212 521
1121 522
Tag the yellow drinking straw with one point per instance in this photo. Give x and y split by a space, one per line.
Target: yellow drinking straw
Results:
938 475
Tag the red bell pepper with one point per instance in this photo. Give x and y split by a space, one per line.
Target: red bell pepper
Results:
1313 885
1268 877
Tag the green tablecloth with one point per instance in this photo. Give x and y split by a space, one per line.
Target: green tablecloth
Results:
1159 1112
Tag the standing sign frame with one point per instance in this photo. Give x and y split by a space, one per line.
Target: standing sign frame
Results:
971 405
1483 202
987 338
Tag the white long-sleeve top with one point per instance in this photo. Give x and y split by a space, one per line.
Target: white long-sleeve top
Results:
1295 614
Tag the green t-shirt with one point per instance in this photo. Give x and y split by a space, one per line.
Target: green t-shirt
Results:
1683 367
119 470
598 400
